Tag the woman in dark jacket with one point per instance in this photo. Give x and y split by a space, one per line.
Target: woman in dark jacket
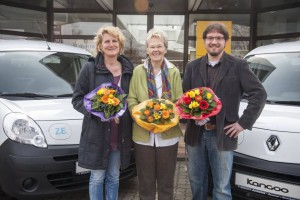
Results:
104 146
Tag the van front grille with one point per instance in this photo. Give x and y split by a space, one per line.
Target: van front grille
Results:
69 180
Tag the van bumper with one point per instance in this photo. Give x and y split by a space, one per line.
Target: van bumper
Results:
28 172
254 178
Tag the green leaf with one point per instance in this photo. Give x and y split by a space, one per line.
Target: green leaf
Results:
186 110
95 105
95 97
197 114
213 104
122 96
155 100
106 114
143 117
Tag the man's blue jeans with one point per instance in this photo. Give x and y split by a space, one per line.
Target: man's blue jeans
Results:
200 156
110 176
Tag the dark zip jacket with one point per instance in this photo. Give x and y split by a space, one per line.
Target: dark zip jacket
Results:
94 140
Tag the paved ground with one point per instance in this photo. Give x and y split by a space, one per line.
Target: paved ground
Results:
128 190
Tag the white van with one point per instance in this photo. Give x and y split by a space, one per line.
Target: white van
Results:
39 129
267 161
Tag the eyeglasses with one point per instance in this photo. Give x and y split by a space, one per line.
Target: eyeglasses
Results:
156 47
218 39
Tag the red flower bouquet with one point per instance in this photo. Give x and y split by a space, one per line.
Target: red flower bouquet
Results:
198 103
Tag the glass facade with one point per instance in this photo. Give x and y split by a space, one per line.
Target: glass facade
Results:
80 23
265 4
272 41
224 4
88 45
278 22
75 22
134 28
173 25
22 20
86 4
240 22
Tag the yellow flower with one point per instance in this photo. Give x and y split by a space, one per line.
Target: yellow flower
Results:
101 91
156 116
208 95
197 92
110 101
194 104
191 94
163 106
111 96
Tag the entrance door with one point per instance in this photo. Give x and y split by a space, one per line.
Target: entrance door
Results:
135 28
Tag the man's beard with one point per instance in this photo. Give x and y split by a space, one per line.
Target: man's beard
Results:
214 53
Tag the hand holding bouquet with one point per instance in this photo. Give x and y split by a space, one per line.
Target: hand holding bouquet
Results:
106 101
156 115
198 103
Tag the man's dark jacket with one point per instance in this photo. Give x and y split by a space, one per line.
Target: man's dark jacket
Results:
233 80
94 141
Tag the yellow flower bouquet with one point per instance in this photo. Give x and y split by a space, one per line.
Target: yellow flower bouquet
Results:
156 115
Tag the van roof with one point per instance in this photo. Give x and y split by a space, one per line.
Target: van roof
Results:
276 48
38 45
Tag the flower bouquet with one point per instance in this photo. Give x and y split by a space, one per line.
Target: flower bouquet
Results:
106 101
198 103
156 115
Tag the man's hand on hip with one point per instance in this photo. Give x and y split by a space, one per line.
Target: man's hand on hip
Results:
233 130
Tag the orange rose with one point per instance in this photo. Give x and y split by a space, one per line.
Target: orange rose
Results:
157 107
198 98
150 104
104 99
147 113
106 92
112 91
116 101
165 114
150 119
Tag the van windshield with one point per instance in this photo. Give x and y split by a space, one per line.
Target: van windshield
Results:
40 73
280 75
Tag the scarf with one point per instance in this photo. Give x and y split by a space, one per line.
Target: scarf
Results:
166 87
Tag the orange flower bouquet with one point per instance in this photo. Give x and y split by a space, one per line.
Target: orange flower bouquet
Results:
108 101
156 115
198 103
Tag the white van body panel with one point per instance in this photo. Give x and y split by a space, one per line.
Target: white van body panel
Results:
59 121
266 164
282 121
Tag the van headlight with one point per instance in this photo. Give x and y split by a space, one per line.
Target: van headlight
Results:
21 128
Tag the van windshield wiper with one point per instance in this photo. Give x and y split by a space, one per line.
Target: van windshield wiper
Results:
26 94
65 95
283 102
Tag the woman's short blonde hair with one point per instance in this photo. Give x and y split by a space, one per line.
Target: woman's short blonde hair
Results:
111 30
153 33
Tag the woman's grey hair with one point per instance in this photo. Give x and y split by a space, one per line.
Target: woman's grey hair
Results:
111 30
153 33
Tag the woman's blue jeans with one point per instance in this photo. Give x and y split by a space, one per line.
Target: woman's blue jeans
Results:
204 154
110 177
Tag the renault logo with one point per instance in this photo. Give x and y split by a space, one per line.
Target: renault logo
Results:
273 143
